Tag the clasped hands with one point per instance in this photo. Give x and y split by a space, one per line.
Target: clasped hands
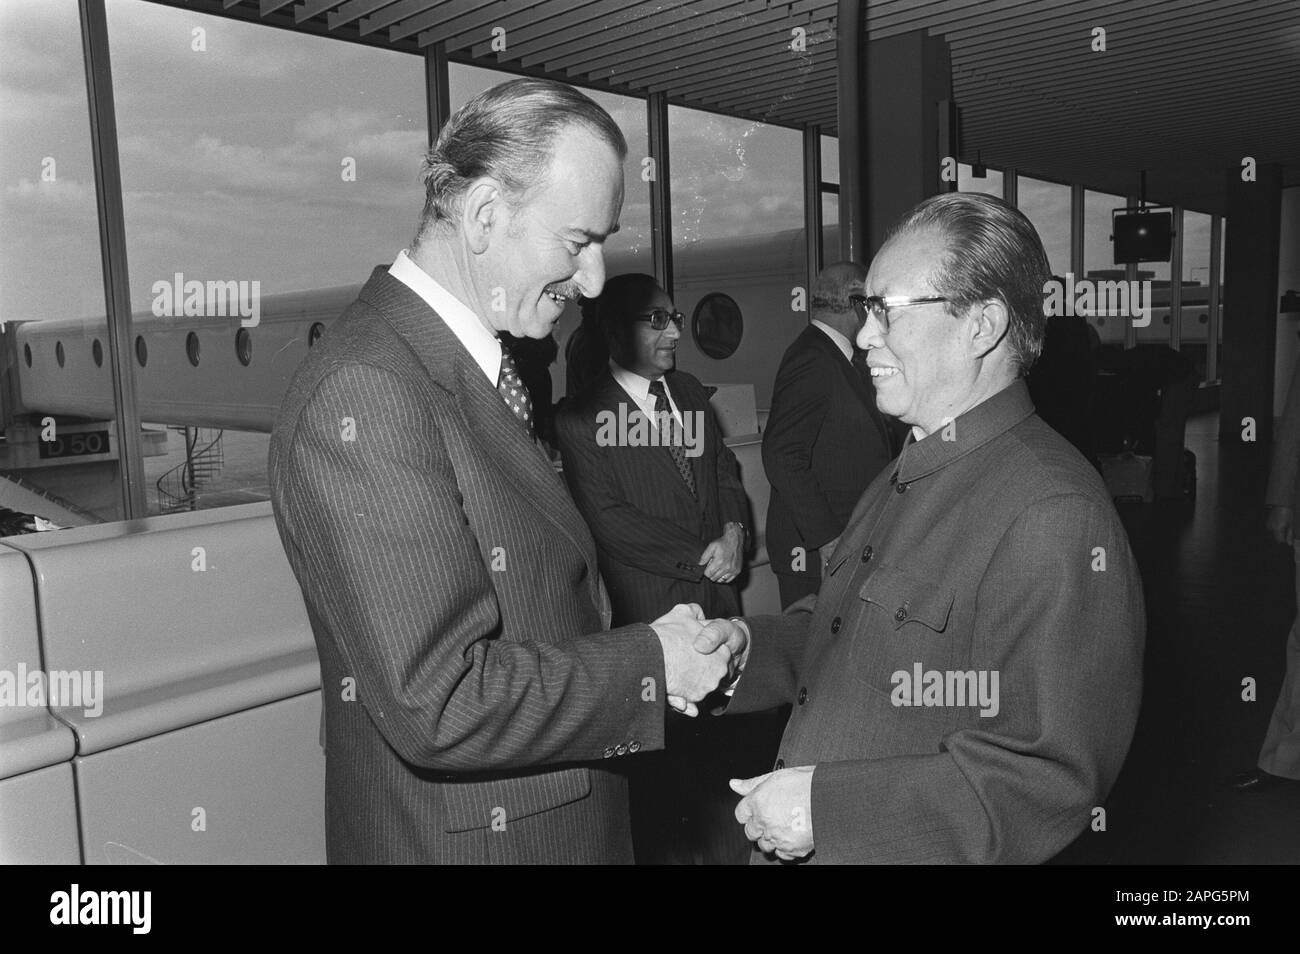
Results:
699 654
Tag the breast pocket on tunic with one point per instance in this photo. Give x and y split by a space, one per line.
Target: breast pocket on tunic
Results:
904 623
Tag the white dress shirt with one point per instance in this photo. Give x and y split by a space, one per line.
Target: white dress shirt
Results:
482 345
638 389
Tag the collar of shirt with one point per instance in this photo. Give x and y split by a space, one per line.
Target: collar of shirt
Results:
974 429
638 389
481 344
841 342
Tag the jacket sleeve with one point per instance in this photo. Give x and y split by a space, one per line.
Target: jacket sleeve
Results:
1286 450
623 530
771 672
733 502
394 571
1062 623
799 405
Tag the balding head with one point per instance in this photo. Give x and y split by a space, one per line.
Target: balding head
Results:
830 296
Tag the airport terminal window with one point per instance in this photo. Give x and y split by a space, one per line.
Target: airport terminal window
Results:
257 165
830 146
1099 256
629 249
738 228
1196 290
831 228
1047 205
990 183
56 461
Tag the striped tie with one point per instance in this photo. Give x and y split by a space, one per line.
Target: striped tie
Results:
664 417
513 392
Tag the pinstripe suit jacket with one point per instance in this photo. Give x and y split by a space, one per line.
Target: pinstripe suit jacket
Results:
471 695
997 551
649 530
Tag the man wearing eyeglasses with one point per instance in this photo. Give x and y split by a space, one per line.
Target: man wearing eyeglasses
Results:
824 440
661 492
967 684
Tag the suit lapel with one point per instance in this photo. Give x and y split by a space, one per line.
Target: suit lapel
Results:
498 432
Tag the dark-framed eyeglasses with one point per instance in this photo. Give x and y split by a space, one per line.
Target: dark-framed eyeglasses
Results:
878 307
660 317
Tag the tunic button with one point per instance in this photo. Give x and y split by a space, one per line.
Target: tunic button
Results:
803 695
835 625
900 487
780 764
867 555
901 614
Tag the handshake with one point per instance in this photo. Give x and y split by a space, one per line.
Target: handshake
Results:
700 655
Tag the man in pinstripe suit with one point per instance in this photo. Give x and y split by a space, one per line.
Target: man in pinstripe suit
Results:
669 525
473 700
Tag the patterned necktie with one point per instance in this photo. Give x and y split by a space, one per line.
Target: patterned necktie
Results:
664 412
513 392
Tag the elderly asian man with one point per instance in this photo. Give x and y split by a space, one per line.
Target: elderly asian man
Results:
966 684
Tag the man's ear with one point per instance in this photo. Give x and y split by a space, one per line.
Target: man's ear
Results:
483 213
991 325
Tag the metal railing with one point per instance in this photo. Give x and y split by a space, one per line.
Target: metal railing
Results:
204 457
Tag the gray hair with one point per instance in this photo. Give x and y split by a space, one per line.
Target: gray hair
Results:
993 252
507 132
833 286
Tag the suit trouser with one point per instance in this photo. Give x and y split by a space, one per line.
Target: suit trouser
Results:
1280 753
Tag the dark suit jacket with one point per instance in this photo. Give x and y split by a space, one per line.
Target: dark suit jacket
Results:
825 441
452 584
996 551
648 528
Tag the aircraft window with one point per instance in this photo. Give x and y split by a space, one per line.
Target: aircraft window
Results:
244 346
59 356
717 325
192 348
141 350
313 334
97 352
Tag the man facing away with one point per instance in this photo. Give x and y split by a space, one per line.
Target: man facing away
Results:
473 700
824 441
966 684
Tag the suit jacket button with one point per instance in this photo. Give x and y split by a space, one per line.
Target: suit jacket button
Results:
835 625
609 752
901 487
901 614
780 764
634 746
803 695
867 554
621 748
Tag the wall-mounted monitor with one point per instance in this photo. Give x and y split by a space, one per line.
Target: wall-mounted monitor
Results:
1142 235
